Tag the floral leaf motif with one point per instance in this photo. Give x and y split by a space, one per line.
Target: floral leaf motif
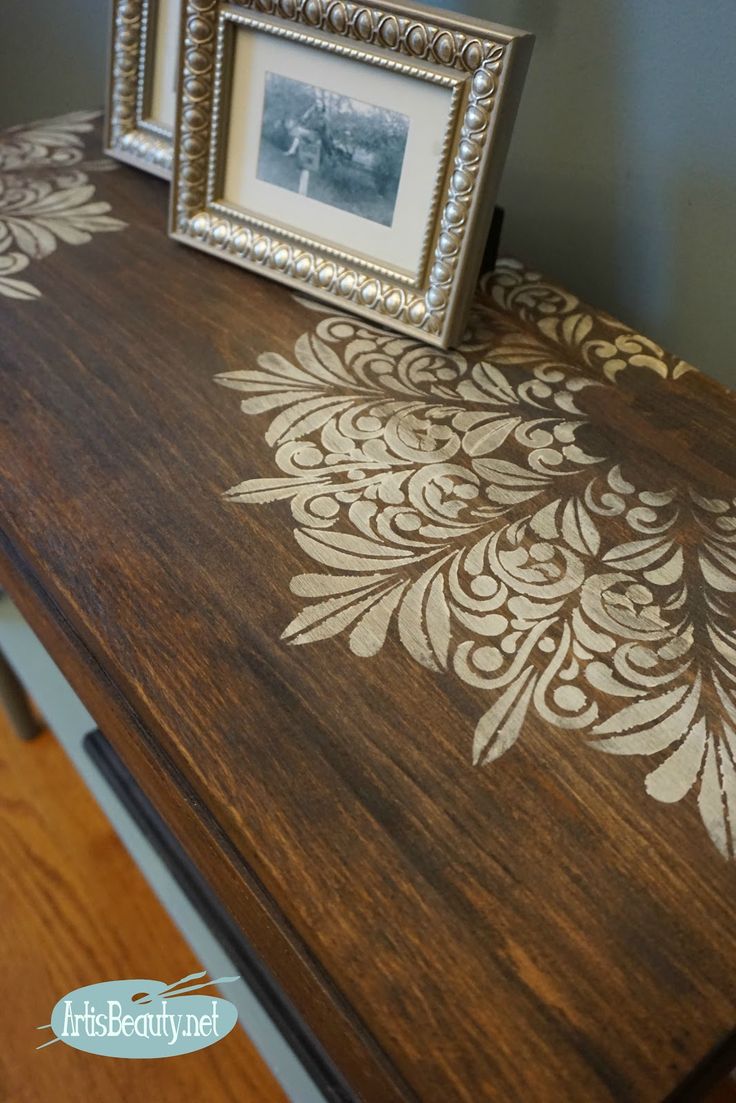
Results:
572 333
343 551
665 720
674 779
424 619
369 635
10 263
46 196
454 506
501 726
319 622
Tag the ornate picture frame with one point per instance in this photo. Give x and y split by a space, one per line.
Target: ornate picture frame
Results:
143 48
478 67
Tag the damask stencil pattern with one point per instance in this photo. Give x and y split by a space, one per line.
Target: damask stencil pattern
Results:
461 501
46 196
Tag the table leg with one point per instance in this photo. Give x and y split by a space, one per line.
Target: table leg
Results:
15 703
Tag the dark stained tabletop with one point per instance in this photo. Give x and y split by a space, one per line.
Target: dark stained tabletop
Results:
428 659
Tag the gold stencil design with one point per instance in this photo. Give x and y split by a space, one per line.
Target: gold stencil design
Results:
456 500
46 196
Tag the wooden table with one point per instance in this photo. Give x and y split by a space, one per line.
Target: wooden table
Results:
427 660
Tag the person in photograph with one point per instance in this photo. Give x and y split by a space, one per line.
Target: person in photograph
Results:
312 121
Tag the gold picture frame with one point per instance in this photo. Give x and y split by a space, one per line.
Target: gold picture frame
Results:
133 133
476 68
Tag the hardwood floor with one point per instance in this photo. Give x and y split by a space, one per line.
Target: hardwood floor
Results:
75 910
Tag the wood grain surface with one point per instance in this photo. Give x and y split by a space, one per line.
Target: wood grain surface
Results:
546 925
77 911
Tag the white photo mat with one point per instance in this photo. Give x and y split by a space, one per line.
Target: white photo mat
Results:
165 53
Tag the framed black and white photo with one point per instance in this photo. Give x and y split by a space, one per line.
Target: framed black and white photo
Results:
350 150
141 107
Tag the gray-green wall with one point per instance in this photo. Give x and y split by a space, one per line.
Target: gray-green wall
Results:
622 176
53 57
621 180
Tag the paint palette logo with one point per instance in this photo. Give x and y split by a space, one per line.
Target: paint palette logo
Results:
143 1018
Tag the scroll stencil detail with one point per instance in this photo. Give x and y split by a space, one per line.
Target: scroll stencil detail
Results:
456 500
46 196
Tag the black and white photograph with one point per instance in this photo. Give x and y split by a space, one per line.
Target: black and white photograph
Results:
332 148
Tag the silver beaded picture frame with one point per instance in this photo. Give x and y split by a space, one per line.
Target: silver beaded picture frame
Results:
350 150
141 92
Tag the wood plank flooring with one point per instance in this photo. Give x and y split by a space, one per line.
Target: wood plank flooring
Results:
74 910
